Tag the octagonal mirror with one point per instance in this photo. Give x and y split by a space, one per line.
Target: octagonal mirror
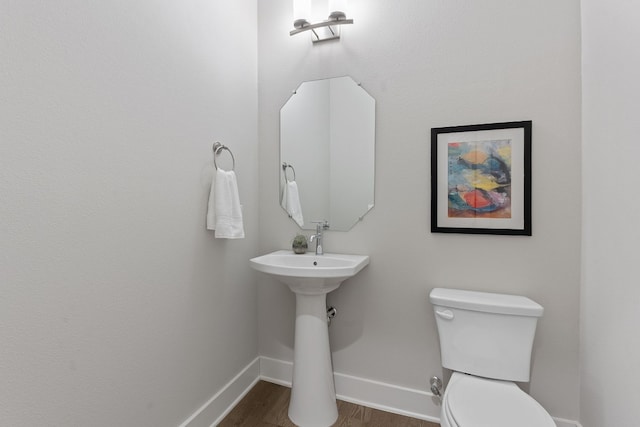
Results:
327 153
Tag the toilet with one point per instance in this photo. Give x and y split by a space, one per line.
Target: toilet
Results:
486 340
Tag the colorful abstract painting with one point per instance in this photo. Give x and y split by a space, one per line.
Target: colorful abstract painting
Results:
479 179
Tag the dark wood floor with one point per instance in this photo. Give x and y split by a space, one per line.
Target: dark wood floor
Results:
266 405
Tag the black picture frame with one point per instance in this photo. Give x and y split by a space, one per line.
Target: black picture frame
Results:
486 189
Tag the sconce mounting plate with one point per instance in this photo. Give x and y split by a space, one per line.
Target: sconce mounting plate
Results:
323 31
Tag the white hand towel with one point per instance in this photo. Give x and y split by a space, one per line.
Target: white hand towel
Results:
291 202
211 206
283 199
225 214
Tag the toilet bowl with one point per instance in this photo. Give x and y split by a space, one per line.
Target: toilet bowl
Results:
471 401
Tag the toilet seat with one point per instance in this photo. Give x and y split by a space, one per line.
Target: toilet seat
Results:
480 402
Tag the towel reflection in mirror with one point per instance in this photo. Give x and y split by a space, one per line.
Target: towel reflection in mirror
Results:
290 198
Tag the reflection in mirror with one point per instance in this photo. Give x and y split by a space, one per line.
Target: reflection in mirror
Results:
327 153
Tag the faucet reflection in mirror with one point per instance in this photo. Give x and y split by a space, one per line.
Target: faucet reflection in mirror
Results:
328 29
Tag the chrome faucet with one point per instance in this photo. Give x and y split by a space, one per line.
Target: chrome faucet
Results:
320 227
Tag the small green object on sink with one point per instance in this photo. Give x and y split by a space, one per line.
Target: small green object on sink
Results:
299 244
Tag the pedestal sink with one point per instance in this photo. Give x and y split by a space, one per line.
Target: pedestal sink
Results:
311 277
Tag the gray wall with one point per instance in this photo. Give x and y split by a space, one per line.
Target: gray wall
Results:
610 343
431 64
117 307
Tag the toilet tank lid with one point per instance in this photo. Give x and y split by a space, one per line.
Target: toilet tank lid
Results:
485 302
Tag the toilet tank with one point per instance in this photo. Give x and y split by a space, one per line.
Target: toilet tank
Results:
486 334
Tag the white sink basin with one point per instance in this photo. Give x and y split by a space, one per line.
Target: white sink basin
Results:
309 273
311 277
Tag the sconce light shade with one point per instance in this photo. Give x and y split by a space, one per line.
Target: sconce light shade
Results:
301 13
337 9
327 30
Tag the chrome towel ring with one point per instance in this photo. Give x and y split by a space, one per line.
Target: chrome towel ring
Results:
217 149
284 169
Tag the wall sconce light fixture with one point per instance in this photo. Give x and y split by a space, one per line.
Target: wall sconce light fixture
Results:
323 30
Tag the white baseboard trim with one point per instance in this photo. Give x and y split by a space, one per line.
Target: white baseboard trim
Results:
561 422
374 394
216 408
362 391
276 371
388 397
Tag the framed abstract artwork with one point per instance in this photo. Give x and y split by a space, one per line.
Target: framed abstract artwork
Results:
481 179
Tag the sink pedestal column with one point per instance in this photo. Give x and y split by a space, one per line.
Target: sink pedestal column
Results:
313 395
311 278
